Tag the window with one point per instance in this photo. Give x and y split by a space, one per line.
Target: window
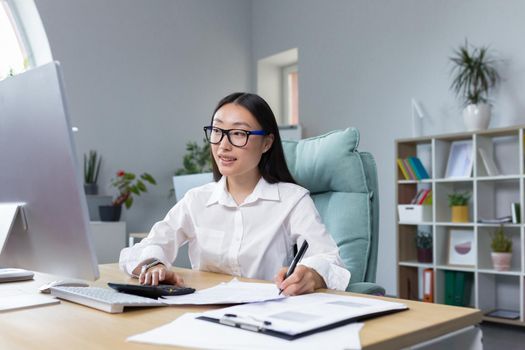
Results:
290 94
14 57
277 83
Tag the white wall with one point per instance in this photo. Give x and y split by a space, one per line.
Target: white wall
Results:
361 62
142 79
144 76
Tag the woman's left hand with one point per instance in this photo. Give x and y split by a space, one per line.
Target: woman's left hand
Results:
302 280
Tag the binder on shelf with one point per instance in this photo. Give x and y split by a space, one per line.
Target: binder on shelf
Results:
402 168
450 282
462 288
428 285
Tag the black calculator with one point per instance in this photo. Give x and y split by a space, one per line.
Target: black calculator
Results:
151 291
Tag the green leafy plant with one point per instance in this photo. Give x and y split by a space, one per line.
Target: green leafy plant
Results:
128 185
424 240
501 243
474 73
458 199
92 164
196 160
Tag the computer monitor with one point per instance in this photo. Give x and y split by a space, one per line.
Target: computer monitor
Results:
38 168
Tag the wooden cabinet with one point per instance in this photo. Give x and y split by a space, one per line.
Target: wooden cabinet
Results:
492 195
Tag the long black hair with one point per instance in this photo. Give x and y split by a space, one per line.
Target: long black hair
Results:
272 165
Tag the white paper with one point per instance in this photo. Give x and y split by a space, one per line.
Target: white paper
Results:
299 314
22 301
187 331
233 292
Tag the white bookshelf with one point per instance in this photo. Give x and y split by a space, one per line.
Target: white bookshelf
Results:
491 197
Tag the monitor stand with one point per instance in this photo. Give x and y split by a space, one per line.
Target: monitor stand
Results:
9 213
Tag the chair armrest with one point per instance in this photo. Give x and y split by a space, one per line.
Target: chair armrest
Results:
366 288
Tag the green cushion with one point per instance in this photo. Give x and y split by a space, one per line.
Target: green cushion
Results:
346 218
314 161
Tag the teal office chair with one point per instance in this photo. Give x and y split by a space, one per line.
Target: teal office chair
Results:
343 184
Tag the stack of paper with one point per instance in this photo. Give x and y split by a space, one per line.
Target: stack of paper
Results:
14 299
233 292
187 331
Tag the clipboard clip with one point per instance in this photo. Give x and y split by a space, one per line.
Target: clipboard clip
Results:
249 323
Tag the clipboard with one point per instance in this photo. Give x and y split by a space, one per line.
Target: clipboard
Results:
260 328
247 318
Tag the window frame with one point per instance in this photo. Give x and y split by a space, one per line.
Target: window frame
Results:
10 9
285 92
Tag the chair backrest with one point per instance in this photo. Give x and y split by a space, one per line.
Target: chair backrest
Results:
343 184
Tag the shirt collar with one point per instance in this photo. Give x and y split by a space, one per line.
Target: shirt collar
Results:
263 190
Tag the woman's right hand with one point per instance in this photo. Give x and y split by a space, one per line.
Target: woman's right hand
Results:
159 273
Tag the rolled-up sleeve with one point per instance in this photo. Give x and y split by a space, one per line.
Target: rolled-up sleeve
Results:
162 242
322 254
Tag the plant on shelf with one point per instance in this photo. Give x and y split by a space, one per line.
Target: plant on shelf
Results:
424 246
501 250
92 162
459 203
474 76
197 159
127 184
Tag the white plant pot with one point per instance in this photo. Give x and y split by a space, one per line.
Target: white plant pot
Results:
477 116
501 261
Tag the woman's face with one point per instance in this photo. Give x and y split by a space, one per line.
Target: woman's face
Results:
235 161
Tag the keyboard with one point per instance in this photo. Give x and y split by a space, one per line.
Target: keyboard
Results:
104 299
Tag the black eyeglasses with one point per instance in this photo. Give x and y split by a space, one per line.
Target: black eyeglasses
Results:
237 137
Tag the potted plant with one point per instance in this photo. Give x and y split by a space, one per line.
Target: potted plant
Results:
127 184
459 204
196 169
474 76
424 247
501 250
92 164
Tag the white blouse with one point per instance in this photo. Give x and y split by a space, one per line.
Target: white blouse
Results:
254 239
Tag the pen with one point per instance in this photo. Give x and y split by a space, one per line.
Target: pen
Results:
295 261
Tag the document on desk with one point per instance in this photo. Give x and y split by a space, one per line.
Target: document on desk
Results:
14 299
188 331
298 316
233 292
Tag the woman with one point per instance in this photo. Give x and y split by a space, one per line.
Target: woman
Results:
247 222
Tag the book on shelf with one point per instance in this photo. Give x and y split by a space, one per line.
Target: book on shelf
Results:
416 197
412 168
411 172
508 314
500 220
488 162
419 167
516 213
422 197
402 168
